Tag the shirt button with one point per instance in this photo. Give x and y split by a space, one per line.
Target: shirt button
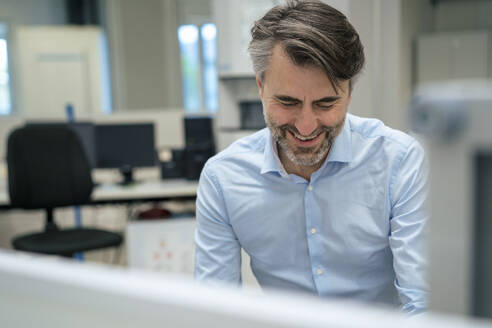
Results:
313 231
310 188
319 272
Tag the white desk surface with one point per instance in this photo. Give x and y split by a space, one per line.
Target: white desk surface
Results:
146 189
140 190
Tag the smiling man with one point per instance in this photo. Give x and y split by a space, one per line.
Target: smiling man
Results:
323 201
303 111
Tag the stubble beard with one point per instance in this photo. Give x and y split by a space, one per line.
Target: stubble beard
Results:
303 156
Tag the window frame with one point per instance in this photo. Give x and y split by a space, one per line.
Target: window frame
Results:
10 86
199 22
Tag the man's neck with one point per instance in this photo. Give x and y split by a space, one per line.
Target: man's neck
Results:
299 170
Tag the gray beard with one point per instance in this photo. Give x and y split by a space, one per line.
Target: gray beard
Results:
303 156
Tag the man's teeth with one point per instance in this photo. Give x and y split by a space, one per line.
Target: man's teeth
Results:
305 138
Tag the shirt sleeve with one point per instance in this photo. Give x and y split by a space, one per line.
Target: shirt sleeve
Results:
408 238
217 250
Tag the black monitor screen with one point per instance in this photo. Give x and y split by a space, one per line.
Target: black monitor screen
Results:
251 115
85 132
482 275
199 131
119 145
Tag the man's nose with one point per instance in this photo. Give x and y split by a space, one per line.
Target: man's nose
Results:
306 121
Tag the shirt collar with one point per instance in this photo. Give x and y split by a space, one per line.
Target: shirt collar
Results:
271 161
341 151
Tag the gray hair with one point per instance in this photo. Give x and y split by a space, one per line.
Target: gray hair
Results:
312 33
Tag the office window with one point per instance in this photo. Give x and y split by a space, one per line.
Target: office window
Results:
198 52
209 50
5 100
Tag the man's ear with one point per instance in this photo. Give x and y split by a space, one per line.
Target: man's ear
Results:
260 86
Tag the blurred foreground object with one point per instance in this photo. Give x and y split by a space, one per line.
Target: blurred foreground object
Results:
455 119
47 292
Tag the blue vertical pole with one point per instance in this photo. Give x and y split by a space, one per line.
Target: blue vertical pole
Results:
70 113
77 211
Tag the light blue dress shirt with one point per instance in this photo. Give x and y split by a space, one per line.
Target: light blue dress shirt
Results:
356 230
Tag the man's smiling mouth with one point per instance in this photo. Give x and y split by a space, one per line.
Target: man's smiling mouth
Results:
302 138
306 141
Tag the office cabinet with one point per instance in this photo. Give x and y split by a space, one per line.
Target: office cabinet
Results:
449 56
61 65
234 19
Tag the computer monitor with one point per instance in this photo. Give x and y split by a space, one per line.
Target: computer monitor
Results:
199 131
125 146
251 115
40 291
85 132
455 120
482 275
200 144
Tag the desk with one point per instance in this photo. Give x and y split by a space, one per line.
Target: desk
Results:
145 191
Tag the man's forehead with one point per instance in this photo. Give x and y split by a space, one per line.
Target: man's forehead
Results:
280 61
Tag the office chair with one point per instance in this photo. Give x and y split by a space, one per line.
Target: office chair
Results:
48 168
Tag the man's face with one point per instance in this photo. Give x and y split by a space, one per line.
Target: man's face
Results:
302 109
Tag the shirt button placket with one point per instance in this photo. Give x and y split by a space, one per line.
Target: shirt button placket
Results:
312 222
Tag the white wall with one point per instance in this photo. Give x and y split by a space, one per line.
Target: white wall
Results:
193 11
142 38
465 15
59 65
27 12
417 18
388 29
365 96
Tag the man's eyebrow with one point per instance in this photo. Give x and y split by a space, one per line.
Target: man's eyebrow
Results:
286 98
292 99
327 99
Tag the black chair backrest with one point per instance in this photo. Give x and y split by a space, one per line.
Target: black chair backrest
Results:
47 167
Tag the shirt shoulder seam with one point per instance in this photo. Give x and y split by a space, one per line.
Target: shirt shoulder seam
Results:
227 154
213 178
400 158
405 146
